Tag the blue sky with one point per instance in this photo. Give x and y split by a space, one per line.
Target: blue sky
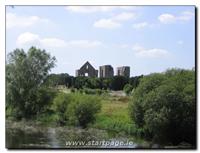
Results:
146 38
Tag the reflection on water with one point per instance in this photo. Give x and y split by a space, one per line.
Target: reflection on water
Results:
17 138
23 136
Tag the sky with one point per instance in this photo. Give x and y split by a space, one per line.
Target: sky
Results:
147 38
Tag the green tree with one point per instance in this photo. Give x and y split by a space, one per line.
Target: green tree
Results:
134 81
118 82
164 107
25 73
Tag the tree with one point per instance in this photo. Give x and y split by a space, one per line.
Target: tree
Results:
118 82
164 107
25 73
134 81
59 79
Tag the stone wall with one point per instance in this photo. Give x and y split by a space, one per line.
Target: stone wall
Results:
87 70
123 71
106 71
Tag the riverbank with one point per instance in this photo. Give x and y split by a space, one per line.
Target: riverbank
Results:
27 134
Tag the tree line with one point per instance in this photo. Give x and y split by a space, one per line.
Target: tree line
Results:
113 83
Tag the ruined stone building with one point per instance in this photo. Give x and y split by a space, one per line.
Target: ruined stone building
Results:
123 71
87 70
106 71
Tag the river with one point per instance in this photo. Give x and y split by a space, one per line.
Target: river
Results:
23 135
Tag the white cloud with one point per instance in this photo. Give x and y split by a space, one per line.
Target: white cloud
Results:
140 51
30 39
124 16
107 24
140 25
186 16
170 18
53 42
167 18
114 21
94 9
14 20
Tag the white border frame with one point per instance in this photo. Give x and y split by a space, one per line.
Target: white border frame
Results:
3 3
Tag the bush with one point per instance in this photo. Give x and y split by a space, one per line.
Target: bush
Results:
128 88
84 109
89 91
73 90
75 109
164 107
60 106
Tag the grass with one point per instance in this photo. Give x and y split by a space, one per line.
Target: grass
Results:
114 115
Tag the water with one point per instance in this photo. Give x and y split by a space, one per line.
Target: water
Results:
20 135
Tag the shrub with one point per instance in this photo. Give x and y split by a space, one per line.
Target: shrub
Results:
60 105
128 88
75 109
99 91
163 107
72 90
89 91
84 109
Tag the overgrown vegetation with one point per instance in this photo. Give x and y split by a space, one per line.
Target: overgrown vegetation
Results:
164 107
75 109
114 83
128 89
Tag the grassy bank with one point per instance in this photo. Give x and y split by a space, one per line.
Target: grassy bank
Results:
114 115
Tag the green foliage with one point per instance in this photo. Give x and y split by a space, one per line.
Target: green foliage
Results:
73 90
92 91
134 81
75 109
54 80
114 116
85 108
163 106
118 82
128 88
25 73
113 83
60 106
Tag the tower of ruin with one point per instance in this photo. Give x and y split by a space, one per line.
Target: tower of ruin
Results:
123 71
106 71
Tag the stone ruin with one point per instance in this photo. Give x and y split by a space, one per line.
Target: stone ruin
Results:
87 70
123 71
105 71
